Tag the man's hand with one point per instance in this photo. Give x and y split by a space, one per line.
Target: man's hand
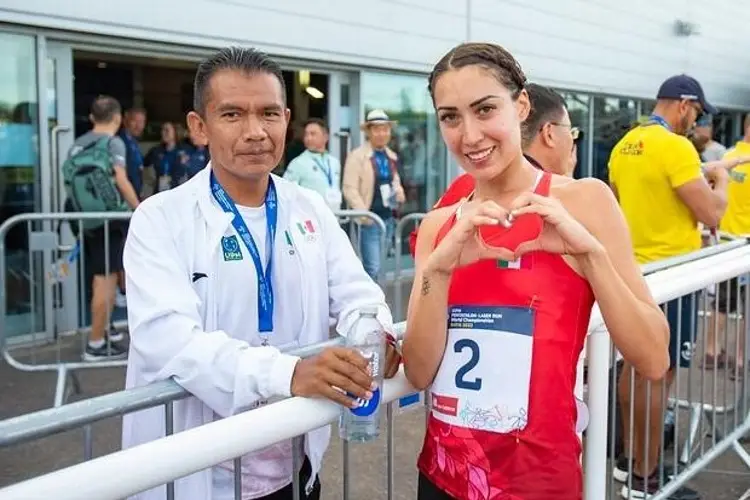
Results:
717 175
329 373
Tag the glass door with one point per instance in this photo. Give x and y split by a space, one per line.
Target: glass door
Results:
23 310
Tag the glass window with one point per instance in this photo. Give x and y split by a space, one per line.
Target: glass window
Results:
726 126
613 117
415 138
578 108
19 164
647 107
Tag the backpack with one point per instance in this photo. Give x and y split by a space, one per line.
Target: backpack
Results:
90 184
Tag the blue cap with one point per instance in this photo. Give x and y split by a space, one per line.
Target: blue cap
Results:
685 87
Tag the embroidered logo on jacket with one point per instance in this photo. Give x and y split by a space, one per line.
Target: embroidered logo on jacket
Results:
231 247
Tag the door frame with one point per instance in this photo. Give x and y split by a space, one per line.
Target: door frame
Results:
343 113
55 75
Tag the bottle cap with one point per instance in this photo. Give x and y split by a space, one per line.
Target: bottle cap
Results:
369 311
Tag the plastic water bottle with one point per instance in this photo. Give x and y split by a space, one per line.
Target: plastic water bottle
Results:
362 424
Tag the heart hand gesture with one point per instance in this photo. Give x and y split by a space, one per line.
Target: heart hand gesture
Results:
462 245
561 233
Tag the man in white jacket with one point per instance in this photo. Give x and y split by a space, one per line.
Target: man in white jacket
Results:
231 268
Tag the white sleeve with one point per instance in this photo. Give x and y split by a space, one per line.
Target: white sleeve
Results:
166 333
350 288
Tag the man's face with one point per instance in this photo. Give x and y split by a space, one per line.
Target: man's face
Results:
701 136
315 138
244 122
135 123
556 136
689 112
379 135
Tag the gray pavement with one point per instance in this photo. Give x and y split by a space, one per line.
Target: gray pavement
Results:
20 392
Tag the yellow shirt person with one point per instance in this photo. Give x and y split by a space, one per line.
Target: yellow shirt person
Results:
646 167
736 219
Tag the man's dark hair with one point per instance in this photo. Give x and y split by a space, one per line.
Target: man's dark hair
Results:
317 121
246 60
546 106
104 108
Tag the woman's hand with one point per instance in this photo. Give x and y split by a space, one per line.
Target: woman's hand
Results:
462 245
561 233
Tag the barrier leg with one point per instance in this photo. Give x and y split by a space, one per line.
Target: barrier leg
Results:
390 447
297 447
169 430
345 468
62 376
88 444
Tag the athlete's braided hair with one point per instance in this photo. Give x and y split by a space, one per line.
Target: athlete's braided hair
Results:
490 56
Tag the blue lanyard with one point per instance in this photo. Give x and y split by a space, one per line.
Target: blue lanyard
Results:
384 165
658 120
326 168
265 285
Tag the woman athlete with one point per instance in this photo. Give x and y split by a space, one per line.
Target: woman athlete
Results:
504 287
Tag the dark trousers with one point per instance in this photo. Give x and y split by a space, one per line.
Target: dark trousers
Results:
426 490
288 492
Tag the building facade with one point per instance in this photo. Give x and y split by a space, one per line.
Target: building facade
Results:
341 59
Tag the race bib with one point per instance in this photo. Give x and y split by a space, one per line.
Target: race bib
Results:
386 193
333 198
483 380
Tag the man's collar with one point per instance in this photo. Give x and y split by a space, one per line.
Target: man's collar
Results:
370 151
531 160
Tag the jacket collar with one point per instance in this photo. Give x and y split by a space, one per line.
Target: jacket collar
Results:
218 221
369 151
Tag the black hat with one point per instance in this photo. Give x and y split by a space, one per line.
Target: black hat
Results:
685 87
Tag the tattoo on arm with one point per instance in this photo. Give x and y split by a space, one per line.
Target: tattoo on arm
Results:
425 286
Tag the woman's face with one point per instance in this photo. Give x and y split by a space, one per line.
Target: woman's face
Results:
479 120
168 135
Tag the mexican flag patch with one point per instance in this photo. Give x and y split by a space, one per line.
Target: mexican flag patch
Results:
306 227
519 263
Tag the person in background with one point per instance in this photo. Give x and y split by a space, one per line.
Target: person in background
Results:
702 137
231 267
190 158
736 222
316 169
548 137
664 190
132 128
162 155
371 182
106 117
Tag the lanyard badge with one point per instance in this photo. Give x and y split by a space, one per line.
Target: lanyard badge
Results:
265 285
324 164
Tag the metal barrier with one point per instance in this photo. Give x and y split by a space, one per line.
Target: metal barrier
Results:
720 398
350 217
57 274
398 309
289 418
54 254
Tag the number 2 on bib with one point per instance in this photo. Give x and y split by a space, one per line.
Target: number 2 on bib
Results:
461 375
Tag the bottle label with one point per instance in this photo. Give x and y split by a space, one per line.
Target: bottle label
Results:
365 407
